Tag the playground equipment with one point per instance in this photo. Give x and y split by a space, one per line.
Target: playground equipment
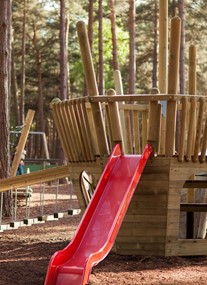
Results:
101 222
151 223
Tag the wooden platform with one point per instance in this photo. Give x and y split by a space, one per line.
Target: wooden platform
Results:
151 226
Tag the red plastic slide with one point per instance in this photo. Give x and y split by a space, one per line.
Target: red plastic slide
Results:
101 221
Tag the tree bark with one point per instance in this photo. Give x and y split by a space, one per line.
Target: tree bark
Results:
114 38
100 45
181 10
5 44
154 73
63 53
22 113
132 61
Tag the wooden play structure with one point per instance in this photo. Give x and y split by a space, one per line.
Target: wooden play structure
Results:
160 218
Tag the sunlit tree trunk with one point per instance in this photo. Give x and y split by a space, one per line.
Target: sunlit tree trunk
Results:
22 113
154 73
100 48
40 113
14 92
63 53
181 10
132 61
5 62
114 38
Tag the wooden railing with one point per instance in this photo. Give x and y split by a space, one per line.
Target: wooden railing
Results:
132 121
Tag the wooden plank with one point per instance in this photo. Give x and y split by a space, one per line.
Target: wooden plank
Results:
34 178
193 207
187 247
195 184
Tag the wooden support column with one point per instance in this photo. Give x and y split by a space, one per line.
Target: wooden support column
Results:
22 142
172 85
119 91
154 122
92 87
114 120
162 65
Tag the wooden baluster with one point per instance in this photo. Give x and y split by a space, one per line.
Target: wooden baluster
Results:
154 122
191 129
114 120
182 129
199 129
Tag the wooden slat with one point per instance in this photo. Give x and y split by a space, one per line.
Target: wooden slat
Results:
137 148
191 129
88 131
128 131
193 207
73 142
183 129
199 130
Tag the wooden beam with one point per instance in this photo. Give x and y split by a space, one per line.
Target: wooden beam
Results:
195 184
192 207
34 178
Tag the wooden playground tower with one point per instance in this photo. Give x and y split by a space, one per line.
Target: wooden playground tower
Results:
89 128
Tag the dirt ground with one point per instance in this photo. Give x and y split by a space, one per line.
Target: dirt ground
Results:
26 251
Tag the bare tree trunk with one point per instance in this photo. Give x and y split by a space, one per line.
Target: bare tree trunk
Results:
181 10
90 37
63 53
132 61
113 32
40 113
22 113
14 92
5 51
100 48
154 73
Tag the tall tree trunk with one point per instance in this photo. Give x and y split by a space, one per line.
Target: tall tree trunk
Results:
22 113
14 92
132 61
100 48
5 51
63 53
154 73
181 10
90 23
113 32
40 114
90 36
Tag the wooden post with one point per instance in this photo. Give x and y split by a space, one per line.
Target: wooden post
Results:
119 91
162 65
114 120
163 46
172 85
191 129
154 122
182 129
22 142
199 129
92 87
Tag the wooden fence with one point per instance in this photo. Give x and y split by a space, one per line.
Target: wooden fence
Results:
132 121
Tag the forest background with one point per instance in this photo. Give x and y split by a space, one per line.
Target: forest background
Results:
44 60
